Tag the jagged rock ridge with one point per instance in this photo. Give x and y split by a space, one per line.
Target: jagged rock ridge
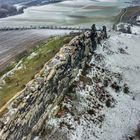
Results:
40 99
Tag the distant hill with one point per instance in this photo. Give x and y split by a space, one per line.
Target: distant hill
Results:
12 1
9 10
28 2
7 7
136 1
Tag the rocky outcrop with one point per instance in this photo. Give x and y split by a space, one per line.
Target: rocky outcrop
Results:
40 99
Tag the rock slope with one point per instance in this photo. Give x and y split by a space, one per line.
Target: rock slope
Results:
40 99
80 95
104 104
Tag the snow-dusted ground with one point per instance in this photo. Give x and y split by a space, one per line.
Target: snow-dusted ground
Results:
67 13
123 119
100 111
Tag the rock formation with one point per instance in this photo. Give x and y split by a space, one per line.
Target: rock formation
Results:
40 99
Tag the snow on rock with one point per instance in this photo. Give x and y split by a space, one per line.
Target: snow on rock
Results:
106 101
127 28
138 18
32 55
18 66
135 29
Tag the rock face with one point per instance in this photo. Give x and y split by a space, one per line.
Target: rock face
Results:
40 99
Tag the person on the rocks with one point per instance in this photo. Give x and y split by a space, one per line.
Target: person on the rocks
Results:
99 38
104 32
93 28
93 37
129 30
82 45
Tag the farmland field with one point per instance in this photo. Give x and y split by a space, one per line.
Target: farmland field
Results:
68 13
13 43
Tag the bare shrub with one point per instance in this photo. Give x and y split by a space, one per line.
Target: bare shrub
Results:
138 131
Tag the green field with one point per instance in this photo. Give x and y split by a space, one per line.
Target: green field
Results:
20 78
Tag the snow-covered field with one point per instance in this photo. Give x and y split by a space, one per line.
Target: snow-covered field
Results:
67 13
107 105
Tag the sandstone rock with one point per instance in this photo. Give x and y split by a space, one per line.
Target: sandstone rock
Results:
87 34
41 97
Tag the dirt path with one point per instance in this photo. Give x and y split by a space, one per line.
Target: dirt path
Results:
123 14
